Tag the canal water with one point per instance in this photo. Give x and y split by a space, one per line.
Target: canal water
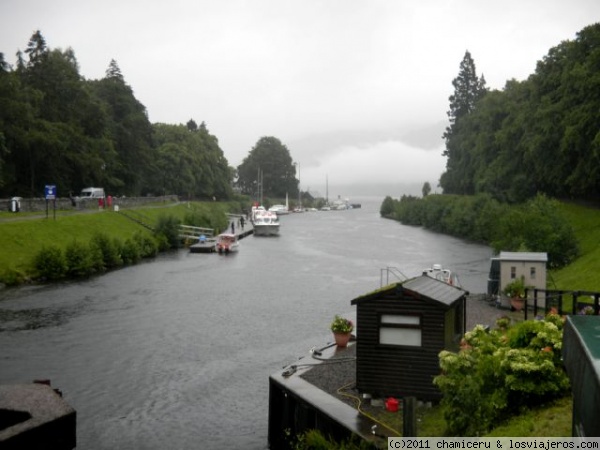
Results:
176 352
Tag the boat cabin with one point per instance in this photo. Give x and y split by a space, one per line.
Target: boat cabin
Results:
401 329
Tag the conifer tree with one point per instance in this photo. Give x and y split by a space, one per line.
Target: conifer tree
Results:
468 90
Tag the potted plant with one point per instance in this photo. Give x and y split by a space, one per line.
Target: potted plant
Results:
342 329
515 290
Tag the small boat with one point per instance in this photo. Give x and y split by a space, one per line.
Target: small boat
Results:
439 273
266 223
227 243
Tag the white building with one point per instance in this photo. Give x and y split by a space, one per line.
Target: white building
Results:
529 265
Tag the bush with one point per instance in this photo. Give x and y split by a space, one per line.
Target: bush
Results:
130 253
13 277
167 232
109 249
50 263
497 373
79 261
147 245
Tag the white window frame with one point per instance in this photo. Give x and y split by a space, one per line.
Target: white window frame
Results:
400 330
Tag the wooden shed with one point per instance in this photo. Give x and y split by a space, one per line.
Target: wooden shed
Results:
581 355
401 330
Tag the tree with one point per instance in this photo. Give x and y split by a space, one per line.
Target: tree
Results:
426 189
468 90
36 48
4 66
129 168
190 164
114 72
192 125
271 158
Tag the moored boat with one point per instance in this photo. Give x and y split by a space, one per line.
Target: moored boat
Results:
227 243
439 273
280 210
266 223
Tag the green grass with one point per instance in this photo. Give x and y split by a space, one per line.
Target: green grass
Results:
583 274
22 235
551 421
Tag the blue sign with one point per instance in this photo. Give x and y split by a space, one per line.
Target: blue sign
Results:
50 192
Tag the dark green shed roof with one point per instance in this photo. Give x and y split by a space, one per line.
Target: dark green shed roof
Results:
424 286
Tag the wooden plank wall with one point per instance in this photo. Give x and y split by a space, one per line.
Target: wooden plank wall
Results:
385 370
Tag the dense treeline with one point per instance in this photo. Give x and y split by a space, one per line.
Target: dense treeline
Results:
536 225
58 128
538 135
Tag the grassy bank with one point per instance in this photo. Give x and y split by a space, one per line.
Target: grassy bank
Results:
23 235
582 274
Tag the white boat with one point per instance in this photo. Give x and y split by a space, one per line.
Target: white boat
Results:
255 211
265 223
340 205
280 210
227 243
439 273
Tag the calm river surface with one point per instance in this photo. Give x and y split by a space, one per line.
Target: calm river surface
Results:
176 353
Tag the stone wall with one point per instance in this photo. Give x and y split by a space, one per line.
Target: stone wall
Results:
65 203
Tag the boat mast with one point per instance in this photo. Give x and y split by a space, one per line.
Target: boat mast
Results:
299 191
259 186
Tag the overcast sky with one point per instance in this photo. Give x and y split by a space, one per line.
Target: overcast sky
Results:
357 90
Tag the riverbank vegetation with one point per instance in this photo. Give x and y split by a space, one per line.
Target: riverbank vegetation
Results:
83 244
538 225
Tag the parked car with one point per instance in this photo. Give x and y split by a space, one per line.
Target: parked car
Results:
92 192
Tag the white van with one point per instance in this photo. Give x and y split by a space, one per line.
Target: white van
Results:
92 192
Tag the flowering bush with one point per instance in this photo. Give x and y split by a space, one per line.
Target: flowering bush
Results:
341 325
587 311
499 371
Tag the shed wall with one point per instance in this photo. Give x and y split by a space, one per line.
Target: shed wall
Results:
385 370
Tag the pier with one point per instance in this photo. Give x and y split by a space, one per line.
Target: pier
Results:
207 245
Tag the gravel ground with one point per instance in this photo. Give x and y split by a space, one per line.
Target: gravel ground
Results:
332 375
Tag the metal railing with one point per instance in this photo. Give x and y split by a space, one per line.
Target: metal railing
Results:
394 272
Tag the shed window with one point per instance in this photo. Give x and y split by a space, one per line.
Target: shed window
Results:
395 329
532 273
513 272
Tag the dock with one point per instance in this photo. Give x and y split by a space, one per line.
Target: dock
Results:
207 245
